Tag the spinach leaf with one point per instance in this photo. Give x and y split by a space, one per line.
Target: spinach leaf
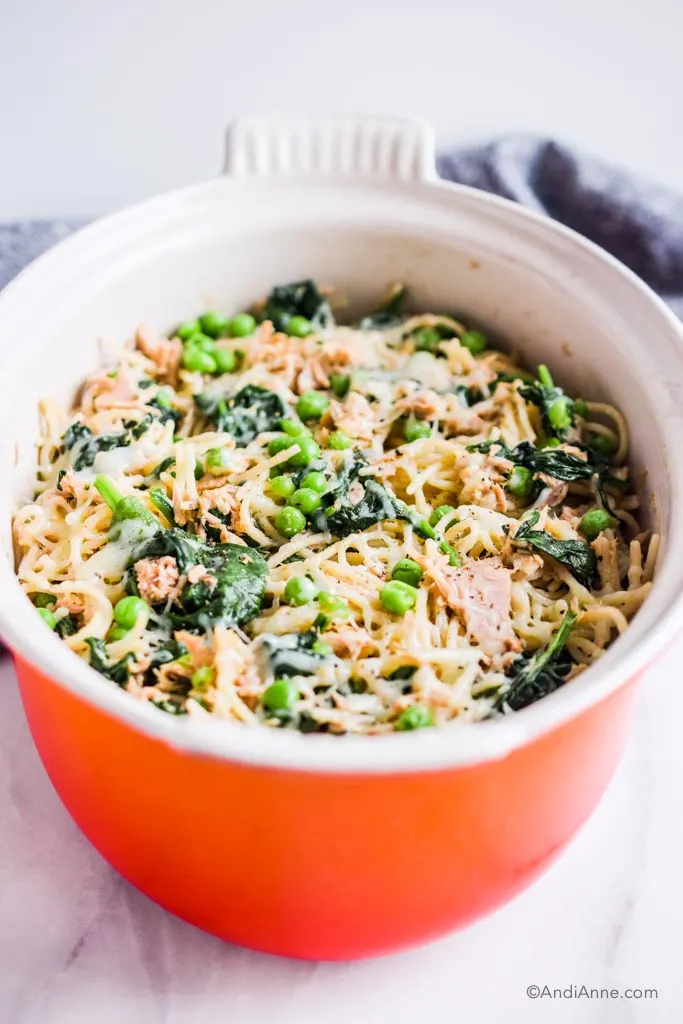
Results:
117 671
534 676
158 498
556 408
553 461
389 314
468 396
293 654
66 626
509 378
165 412
139 427
240 574
247 414
578 557
300 298
172 705
78 436
372 503
162 467
166 652
212 532
403 672
74 433
403 675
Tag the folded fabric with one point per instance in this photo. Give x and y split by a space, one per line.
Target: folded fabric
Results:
637 221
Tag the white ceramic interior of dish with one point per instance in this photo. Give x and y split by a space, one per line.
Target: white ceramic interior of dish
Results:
355 204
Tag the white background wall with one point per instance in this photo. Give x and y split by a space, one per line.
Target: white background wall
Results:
105 102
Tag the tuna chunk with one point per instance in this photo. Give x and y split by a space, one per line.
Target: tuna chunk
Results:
355 416
480 593
157 578
164 353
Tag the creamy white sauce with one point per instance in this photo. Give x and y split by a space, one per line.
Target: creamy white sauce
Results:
109 563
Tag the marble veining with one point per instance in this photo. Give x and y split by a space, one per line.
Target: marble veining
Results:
78 945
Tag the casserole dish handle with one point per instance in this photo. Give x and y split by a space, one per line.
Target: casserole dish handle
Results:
315 145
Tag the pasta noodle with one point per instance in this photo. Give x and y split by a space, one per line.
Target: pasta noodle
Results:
304 524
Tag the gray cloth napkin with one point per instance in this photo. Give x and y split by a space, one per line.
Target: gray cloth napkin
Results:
637 221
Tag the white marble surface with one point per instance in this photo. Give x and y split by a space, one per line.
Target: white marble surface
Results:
79 945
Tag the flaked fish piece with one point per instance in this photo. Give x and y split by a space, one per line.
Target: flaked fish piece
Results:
480 593
157 578
164 353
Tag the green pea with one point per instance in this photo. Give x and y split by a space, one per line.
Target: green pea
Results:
559 413
340 384
280 444
282 486
474 341
339 441
294 428
417 716
440 513
203 342
242 325
312 405
594 522
116 633
203 678
306 499
320 647
521 483
188 328
300 590
48 617
44 600
290 521
214 324
407 571
197 361
315 481
281 695
226 360
217 460
299 326
308 451
414 429
580 408
334 607
427 339
398 597
128 610
603 443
